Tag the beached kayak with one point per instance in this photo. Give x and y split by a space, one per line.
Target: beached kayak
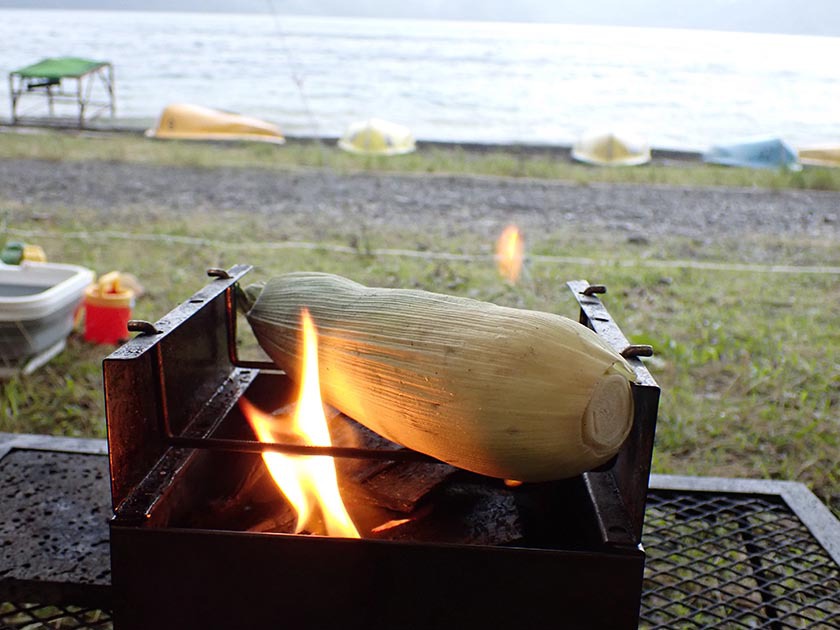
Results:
183 121
821 156
770 153
611 149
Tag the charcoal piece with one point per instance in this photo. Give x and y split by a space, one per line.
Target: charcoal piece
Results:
244 516
282 519
248 506
397 486
345 431
245 486
477 513
403 485
492 515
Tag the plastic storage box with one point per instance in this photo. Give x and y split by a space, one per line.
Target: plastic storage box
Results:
38 304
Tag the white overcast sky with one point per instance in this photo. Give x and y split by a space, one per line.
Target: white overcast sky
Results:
817 17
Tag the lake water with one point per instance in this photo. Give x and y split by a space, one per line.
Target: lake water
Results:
460 81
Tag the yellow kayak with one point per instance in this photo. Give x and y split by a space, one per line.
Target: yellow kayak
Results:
820 156
182 121
377 137
611 149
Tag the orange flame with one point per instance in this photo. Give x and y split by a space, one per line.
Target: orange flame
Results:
390 525
509 253
308 482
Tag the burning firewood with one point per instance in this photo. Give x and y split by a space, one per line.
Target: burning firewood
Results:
397 486
504 392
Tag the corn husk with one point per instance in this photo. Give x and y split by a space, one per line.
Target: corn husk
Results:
504 392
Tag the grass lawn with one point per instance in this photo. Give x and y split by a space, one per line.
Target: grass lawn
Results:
747 360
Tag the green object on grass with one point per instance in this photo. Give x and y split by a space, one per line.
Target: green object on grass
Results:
59 68
12 253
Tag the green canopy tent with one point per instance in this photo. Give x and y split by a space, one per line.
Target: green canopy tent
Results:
48 80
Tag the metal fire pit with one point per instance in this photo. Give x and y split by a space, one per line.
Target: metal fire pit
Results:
176 439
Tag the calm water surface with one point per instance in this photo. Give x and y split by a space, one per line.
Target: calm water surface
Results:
467 81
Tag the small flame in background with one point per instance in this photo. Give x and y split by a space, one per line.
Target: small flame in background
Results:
309 483
509 253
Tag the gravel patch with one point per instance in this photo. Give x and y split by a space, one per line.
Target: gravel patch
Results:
417 202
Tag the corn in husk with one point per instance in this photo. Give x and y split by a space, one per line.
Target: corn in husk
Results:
504 392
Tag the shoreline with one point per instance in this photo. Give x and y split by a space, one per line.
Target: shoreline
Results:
658 154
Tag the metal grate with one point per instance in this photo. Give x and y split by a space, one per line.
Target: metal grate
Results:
735 561
41 617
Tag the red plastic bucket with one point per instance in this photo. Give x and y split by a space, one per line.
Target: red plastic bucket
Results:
107 310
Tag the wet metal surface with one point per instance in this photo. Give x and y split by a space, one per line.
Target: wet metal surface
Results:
54 517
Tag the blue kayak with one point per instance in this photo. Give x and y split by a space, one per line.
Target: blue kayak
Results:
773 153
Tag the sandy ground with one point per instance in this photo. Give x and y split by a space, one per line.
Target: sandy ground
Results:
310 201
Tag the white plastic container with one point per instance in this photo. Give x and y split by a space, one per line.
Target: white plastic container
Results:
38 304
